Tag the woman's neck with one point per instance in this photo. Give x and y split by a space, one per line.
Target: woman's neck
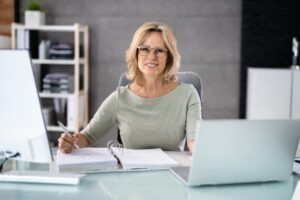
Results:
151 85
152 88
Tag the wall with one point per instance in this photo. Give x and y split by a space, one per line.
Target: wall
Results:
208 34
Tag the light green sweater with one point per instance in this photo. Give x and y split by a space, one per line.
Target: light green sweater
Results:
161 122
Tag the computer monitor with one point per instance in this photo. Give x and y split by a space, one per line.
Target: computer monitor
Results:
22 127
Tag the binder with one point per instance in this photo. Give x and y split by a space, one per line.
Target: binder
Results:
113 158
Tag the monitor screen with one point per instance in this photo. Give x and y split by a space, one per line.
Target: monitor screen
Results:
22 127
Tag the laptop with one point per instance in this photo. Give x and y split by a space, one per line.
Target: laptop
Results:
241 151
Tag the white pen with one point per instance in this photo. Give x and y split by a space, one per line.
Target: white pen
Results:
66 132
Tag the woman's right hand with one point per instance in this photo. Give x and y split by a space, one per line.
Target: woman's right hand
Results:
66 142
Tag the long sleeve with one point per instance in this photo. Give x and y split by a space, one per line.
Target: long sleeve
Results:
193 114
103 120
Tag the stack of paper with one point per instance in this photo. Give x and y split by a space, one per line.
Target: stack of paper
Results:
86 160
58 83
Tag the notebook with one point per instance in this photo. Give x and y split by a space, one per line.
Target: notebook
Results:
240 151
113 158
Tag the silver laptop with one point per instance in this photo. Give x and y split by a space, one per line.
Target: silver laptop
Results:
240 151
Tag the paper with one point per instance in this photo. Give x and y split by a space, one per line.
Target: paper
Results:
86 159
144 158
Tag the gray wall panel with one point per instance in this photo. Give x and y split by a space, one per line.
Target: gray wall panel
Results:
208 39
208 34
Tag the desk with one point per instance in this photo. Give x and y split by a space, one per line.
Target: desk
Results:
143 186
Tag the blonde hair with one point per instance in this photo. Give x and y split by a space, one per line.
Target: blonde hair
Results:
173 58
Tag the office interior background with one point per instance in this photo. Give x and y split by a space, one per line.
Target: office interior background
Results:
218 39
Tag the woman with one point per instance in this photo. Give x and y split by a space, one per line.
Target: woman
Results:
154 111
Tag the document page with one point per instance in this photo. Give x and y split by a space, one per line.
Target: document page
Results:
143 158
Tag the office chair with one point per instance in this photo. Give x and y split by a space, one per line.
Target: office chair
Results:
184 77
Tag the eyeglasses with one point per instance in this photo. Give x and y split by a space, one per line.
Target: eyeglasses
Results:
146 50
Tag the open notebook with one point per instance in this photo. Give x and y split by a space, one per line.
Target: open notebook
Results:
85 160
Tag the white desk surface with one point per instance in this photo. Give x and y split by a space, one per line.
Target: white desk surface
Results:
146 185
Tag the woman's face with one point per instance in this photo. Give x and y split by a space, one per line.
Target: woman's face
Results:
152 56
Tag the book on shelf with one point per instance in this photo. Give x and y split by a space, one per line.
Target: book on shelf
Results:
113 158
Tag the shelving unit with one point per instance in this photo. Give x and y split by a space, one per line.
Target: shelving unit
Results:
79 97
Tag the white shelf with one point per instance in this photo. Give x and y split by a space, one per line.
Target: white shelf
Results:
56 28
54 95
56 62
58 95
77 102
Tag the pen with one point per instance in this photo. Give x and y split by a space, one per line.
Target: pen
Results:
66 132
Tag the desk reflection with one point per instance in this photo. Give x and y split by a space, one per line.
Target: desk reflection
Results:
144 185
163 185
89 190
257 191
